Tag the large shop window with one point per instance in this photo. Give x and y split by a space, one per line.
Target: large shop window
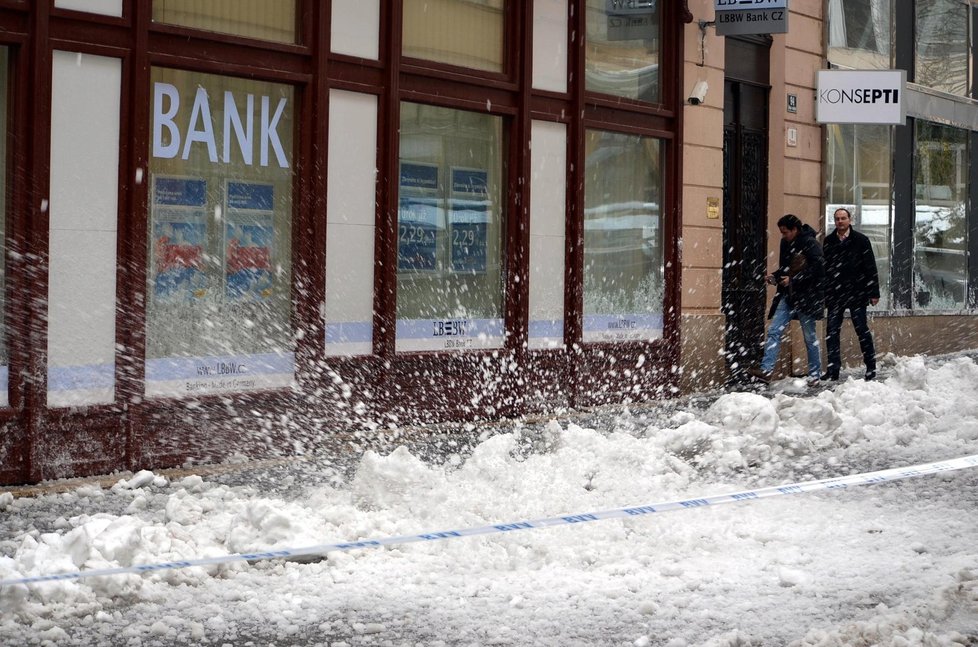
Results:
4 349
860 33
624 282
858 169
218 307
272 20
467 33
450 225
624 49
942 45
941 222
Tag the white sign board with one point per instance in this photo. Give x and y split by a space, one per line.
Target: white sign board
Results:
729 5
861 97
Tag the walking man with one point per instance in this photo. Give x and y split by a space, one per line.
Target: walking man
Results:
851 282
801 269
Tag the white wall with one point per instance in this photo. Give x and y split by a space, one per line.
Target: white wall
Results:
85 111
356 28
548 191
550 45
106 7
350 222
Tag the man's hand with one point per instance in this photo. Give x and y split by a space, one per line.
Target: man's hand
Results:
785 280
874 301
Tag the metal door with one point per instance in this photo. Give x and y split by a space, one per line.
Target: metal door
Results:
745 164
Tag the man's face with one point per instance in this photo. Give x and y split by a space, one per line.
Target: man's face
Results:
788 234
842 221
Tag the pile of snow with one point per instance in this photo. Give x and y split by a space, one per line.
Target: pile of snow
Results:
893 564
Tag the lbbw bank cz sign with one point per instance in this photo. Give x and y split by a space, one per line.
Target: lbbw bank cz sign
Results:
861 97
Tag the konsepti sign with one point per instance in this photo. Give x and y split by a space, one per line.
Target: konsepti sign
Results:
861 97
740 17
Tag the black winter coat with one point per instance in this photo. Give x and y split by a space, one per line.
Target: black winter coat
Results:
805 292
851 278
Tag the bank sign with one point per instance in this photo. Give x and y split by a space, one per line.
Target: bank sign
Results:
742 17
861 97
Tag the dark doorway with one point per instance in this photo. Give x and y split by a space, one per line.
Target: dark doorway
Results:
745 162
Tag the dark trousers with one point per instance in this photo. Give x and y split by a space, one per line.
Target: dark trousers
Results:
833 328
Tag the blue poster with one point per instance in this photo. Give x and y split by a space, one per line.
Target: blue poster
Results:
179 239
470 215
419 218
249 238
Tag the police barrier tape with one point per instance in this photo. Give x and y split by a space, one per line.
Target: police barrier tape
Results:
839 483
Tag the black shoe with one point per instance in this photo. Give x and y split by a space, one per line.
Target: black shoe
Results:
759 375
870 374
834 377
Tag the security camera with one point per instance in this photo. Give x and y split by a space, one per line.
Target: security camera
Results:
698 95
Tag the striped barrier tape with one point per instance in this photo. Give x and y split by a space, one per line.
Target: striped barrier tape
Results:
839 483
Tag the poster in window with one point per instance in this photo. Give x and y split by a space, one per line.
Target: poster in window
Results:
249 237
179 239
419 218
469 220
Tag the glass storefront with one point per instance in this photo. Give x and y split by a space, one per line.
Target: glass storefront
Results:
940 225
4 350
863 162
624 283
860 34
858 170
272 20
218 311
451 215
467 33
623 49
942 49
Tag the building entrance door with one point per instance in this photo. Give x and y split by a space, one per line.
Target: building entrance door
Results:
745 163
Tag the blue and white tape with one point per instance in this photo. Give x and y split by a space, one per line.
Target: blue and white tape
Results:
868 478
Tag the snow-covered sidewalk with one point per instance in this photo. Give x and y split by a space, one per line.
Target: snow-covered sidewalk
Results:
890 564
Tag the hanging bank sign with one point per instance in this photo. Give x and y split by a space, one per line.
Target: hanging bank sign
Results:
740 17
861 97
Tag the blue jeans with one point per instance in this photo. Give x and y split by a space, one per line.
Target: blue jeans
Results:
782 317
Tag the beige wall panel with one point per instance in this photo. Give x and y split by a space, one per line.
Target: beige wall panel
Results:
703 125
800 67
809 140
808 208
811 8
702 166
694 206
702 361
804 32
802 177
701 289
913 335
806 104
702 247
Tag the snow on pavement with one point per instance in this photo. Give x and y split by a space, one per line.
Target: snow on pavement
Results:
891 565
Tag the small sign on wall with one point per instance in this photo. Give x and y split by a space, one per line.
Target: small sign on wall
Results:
792 103
713 208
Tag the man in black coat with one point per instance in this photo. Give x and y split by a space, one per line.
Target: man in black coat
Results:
851 282
799 277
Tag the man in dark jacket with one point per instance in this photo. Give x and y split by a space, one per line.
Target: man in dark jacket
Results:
799 276
851 282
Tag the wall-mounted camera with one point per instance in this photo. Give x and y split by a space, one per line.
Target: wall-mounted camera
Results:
698 95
